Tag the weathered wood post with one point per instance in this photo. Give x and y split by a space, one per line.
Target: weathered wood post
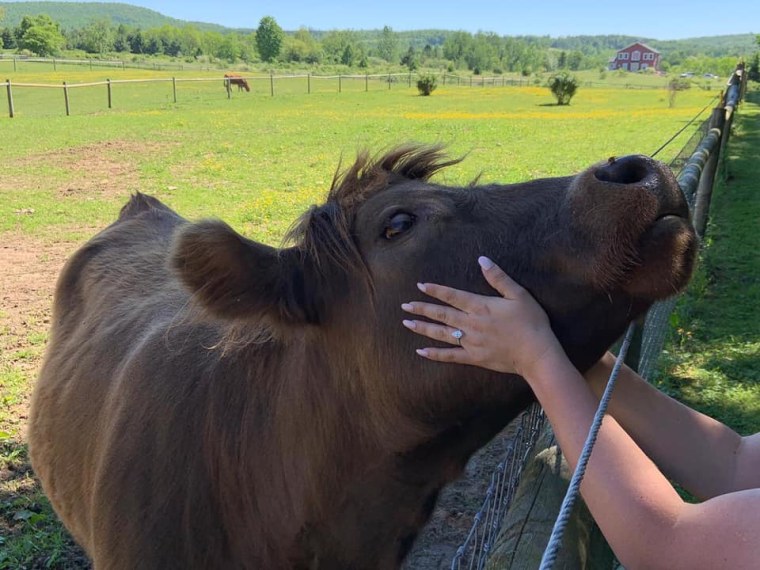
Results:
308 83
14 64
174 88
66 98
108 85
707 179
410 79
389 81
340 83
227 87
366 82
10 97
527 526
54 66
271 84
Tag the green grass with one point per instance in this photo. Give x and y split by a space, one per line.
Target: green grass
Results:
715 353
256 161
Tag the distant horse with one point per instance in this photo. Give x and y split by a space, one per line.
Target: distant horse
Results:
236 79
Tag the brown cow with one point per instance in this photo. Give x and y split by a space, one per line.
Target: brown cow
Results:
236 79
208 401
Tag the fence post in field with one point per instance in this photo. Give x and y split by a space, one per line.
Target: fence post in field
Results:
410 79
90 64
10 97
227 87
108 84
707 178
174 88
14 64
122 64
271 83
66 98
340 83
470 80
54 66
308 83
366 82
389 81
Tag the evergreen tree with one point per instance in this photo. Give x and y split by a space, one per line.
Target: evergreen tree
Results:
388 44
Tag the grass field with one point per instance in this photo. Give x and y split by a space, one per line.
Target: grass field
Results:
256 161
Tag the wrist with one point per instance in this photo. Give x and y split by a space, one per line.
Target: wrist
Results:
546 369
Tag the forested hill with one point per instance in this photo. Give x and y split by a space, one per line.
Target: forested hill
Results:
76 15
73 15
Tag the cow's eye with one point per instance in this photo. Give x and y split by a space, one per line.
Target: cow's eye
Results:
398 224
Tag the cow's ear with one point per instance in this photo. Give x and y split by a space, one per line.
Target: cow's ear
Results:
237 278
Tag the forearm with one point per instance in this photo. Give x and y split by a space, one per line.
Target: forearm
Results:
630 499
694 450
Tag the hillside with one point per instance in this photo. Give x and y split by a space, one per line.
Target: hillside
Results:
73 15
78 14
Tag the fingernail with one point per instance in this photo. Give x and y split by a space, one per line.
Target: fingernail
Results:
407 307
421 287
484 262
409 324
422 352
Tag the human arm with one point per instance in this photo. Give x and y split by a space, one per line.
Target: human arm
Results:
703 455
643 518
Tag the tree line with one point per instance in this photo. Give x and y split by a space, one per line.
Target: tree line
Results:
482 52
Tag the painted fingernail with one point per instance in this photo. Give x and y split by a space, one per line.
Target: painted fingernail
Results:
421 287
409 324
422 352
484 262
407 306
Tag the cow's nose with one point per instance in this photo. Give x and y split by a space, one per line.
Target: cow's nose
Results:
633 169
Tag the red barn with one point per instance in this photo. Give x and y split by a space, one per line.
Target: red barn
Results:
636 57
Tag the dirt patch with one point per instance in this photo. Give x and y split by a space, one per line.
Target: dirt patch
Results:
94 171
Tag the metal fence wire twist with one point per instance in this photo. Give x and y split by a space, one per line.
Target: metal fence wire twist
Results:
475 550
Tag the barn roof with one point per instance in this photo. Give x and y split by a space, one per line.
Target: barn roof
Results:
642 44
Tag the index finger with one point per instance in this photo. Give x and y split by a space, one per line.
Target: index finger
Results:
462 300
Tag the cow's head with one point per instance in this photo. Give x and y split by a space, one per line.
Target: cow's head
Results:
595 249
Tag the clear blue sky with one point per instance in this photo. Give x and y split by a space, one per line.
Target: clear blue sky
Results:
658 19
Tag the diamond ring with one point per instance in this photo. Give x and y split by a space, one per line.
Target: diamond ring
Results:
458 334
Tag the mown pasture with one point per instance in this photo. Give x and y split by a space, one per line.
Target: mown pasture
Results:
257 161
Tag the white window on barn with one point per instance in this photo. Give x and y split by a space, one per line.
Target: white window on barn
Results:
636 56
623 55
649 56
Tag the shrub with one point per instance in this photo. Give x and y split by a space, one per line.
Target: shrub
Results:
426 84
563 86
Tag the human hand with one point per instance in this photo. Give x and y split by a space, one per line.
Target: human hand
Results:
508 334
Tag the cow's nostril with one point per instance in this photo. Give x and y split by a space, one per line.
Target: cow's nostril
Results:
626 170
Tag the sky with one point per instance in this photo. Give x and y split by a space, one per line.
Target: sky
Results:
656 19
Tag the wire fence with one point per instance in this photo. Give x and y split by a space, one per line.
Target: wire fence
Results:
136 94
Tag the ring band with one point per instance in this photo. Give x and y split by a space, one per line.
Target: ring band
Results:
458 334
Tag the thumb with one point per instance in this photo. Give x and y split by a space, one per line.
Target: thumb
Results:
503 283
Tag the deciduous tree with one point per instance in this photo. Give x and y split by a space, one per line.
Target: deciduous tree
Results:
269 38
40 35
563 86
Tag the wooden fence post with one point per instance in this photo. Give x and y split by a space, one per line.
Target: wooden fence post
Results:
366 82
410 79
54 66
340 83
389 81
707 178
174 88
271 83
308 83
10 97
525 530
108 83
66 98
14 64
227 87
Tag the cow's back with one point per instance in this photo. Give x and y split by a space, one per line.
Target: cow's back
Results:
100 389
